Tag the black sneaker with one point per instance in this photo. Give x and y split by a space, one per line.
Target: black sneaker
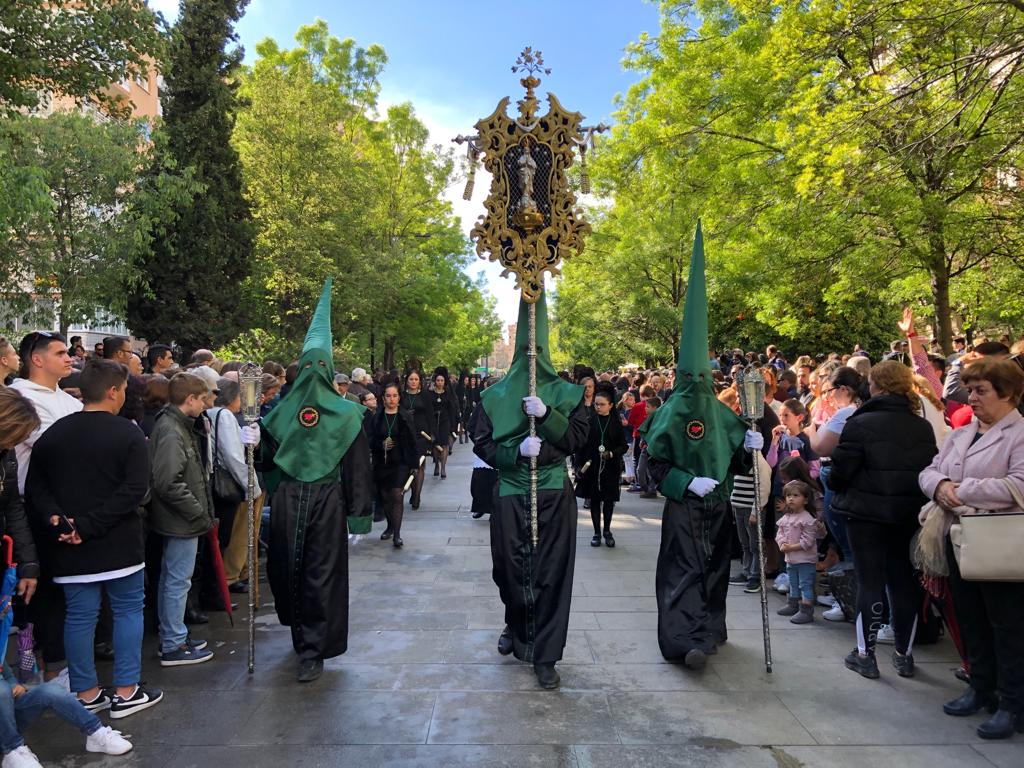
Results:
143 698
98 704
753 586
739 578
865 666
904 664
195 645
185 655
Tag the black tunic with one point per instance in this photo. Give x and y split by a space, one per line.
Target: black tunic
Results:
535 587
391 468
445 417
692 578
420 411
601 480
307 563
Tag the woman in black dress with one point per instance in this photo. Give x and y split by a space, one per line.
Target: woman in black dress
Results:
444 421
599 465
393 448
415 403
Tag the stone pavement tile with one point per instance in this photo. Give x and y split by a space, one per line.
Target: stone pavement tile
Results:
481 646
368 599
315 714
398 573
705 719
395 647
376 555
500 676
737 617
674 756
536 717
925 756
602 604
613 584
637 677
892 716
627 619
280 673
397 756
789 675
1004 754
74 756
747 645
384 618
626 646
469 603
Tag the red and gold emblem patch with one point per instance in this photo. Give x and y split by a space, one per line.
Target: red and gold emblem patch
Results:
695 430
309 416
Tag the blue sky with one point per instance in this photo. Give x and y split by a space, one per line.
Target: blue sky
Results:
452 59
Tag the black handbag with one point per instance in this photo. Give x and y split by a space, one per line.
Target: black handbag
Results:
226 489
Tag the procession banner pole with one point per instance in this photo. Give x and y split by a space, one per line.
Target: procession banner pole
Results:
533 424
250 378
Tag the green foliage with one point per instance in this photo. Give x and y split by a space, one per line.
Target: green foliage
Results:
189 289
846 158
338 190
79 247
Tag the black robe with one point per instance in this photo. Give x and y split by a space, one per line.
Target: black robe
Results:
535 587
307 563
692 579
391 468
601 480
445 418
420 410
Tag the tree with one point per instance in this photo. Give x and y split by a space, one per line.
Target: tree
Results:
73 49
190 285
77 251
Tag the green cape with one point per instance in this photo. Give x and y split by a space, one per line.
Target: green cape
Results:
503 404
313 425
694 431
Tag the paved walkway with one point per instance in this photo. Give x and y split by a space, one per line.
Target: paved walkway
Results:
422 685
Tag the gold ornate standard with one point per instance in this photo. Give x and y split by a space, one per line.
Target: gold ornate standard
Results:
531 222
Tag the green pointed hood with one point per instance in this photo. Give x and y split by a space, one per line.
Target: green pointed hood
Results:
503 402
693 431
313 425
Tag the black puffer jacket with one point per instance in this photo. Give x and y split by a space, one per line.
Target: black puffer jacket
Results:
883 448
13 521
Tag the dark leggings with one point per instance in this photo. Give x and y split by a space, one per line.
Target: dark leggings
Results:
597 507
417 486
881 555
392 501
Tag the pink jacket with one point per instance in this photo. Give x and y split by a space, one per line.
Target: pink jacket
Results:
800 528
981 467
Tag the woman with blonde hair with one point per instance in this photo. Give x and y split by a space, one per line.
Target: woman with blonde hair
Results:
882 449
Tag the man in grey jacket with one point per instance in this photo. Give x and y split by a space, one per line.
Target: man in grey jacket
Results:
182 511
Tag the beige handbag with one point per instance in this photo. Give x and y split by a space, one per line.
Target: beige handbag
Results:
990 546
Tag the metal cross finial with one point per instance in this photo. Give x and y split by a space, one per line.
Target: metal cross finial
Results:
530 62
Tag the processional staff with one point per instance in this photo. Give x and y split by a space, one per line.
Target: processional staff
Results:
250 380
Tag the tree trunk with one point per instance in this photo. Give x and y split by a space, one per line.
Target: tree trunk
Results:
940 298
389 354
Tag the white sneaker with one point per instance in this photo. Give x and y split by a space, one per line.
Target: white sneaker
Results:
22 757
63 679
826 601
108 741
835 613
781 583
886 635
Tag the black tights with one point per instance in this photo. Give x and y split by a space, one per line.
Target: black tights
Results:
596 508
881 556
392 501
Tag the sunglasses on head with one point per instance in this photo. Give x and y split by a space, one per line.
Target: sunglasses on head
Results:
37 339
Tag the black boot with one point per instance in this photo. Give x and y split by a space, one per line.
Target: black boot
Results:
505 641
546 675
609 540
695 659
865 666
310 670
1002 725
971 702
595 541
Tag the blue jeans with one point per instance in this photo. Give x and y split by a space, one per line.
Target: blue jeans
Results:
836 522
18 714
801 581
175 581
126 596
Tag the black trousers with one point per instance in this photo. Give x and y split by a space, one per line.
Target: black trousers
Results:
881 556
991 617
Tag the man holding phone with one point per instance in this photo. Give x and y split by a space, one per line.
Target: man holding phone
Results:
88 480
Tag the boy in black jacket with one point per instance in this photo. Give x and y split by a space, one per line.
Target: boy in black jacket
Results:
88 478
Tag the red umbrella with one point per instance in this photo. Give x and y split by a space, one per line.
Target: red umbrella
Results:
218 568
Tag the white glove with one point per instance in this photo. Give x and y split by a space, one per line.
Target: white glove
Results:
753 441
530 447
251 435
702 486
535 407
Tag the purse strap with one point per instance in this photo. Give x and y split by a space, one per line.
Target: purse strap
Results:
216 446
1018 497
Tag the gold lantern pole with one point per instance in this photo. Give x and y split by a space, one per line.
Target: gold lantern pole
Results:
531 221
750 387
250 381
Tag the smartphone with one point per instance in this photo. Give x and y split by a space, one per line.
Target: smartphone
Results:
64 526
